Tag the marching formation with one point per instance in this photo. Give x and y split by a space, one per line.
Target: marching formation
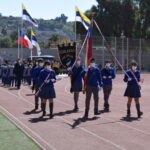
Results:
42 75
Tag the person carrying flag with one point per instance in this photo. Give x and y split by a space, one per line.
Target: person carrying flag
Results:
77 76
35 76
132 78
93 85
47 91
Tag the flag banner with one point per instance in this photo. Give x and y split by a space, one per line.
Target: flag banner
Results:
35 43
24 40
27 17
89 53
67 54
80 17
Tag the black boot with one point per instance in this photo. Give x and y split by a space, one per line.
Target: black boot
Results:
36 106
128 110
106 107
43 106
75 108
51 106
86 114
139 113
96 112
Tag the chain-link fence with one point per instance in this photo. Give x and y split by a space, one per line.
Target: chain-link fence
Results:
124 49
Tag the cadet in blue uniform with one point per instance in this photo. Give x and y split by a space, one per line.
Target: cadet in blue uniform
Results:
133 88
28 74
11 76
35 75
76 82
47 91
108 74
93 85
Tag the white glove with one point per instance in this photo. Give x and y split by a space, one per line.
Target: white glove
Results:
104 77
53 80
69 69
86 69
109 77
129 79
47 81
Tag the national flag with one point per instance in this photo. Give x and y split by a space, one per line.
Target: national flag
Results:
26 16
89 52
35 43
24 40
80 17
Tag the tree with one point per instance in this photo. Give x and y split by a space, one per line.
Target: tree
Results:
5 42
62 19
4 31
14 35
53 39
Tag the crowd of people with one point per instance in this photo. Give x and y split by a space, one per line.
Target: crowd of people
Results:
42 75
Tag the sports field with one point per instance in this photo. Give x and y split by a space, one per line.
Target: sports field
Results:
68 131
12 138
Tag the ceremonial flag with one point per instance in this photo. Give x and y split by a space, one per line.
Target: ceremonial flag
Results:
80 17
35 44
24 40
26 16
89 53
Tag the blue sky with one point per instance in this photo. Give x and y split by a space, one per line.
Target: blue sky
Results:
47 9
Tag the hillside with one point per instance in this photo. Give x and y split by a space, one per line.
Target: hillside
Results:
58 26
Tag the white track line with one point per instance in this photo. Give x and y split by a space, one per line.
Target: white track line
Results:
128 126
83 129
9 115
29 129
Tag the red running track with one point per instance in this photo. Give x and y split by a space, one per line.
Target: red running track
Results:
68 131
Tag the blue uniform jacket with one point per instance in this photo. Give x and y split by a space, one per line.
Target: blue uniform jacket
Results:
35 75
133 80
43 75
94 77
108 72
80 75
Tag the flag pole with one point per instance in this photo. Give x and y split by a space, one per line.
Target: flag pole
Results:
21 53
31 48
18 44
75 26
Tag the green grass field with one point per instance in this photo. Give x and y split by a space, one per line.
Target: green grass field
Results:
12 138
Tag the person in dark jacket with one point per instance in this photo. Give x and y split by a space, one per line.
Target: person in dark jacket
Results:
108 74
132 78
18 71
77 75
93 85
35 76
47 78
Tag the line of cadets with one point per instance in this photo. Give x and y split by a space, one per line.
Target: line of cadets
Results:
9 78
96 80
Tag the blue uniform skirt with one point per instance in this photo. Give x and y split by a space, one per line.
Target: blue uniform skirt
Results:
77 87
132 91
47 93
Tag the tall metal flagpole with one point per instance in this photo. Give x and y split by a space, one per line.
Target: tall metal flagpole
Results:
31 48
75 26
21 55
18 43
